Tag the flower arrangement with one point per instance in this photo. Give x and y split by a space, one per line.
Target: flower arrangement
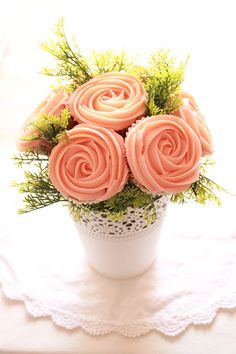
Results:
114 135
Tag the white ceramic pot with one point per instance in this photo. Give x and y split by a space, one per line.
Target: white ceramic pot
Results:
121 249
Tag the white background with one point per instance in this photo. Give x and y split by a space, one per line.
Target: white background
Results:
204 29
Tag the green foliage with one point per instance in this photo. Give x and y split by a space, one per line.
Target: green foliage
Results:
37 187
70 63
203 190
109 61
27 158
117 206
49 127
162 81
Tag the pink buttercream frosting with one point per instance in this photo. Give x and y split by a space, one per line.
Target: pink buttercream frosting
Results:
190 112
90 166
54 103
113 100
163 153
184 95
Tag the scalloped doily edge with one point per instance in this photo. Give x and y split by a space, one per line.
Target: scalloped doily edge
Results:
96 327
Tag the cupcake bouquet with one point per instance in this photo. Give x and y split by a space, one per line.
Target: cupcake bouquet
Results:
114 136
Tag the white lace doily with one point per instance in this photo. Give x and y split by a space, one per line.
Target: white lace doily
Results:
42 264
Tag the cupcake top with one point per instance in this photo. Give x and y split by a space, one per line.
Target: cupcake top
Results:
90 166
112 100
163 153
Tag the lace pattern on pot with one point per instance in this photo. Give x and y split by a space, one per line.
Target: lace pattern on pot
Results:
134 224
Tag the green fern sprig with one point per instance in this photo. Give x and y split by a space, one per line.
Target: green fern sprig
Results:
48 127
109 61
37 187
51 126
203 190
70 63
28 158
162 80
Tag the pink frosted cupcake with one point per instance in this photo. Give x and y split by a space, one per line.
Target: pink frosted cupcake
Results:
191 114
111 100
90 166
30 138
163 153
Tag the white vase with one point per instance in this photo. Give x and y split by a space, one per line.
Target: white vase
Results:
121 249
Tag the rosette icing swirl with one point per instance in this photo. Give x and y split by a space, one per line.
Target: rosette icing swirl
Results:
90 166
190 112
53 104
111 100
163 153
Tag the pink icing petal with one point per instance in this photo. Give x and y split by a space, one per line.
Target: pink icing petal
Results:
56 103
163 153
91 167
